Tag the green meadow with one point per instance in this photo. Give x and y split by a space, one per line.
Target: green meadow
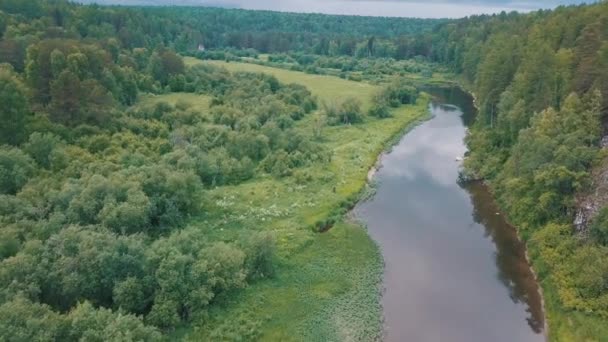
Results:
326 286
326 88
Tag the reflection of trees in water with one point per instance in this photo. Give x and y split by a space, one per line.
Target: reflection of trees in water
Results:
513 269
444 107
456 97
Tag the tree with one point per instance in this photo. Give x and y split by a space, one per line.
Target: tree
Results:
599 227
22 320
164 64
58 62
84 264
350 111
14 108
98 325
16 168
66 98
3 20
260 250
40 147
130 295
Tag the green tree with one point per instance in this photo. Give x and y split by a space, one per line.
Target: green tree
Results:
66 98
98 325
260 251
599 227
22 320
58 62
14 108
40 147
130 295
16 168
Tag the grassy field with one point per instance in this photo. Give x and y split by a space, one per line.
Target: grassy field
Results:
326 285
326 88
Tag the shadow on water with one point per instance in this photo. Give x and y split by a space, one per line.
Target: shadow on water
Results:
514 270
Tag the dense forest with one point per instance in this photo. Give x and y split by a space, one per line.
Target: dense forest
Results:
97 190
185 29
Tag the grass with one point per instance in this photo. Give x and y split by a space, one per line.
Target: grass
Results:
326 88
326 285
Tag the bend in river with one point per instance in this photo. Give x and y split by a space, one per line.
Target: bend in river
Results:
455 269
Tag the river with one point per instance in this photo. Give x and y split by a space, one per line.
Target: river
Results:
454 268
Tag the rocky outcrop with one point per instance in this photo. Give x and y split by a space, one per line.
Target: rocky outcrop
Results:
590 203
604 142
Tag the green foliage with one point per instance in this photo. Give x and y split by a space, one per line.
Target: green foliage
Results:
15 169
260 255
345 113
40 147
14 108
96 204
550 162
599 227
379 110
139 210
90 324
22 320
398 92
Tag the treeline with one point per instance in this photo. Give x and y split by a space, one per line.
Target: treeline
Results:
373 69
185 29
97 194
541 82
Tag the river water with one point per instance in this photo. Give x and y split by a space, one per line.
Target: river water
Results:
454 268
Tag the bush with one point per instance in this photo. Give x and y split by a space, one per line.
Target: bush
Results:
260 254
346 113
379 110
399 92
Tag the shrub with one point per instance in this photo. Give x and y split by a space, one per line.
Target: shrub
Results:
346 113
379 110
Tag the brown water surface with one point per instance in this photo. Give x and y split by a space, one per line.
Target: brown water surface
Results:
455 269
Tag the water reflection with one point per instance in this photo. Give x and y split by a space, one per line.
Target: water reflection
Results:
514 271
450 275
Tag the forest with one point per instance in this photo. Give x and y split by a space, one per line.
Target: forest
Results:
146 195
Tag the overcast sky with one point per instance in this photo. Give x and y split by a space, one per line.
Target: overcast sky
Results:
396 8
